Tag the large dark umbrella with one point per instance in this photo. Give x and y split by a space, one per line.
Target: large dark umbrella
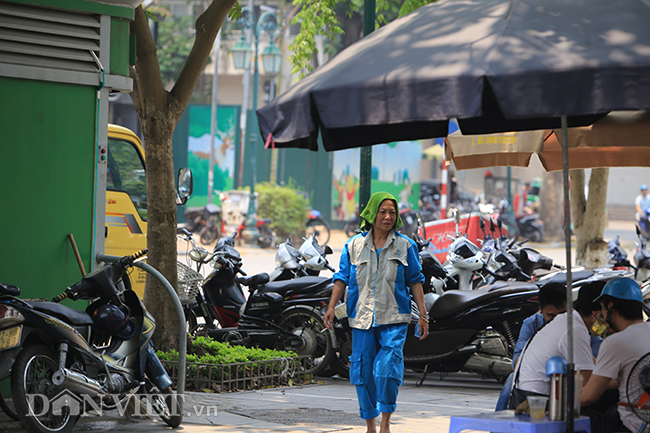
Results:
495 65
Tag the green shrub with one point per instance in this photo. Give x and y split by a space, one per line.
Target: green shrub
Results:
224 354
286 207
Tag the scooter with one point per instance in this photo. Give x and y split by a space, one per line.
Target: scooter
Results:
309 260
282 314
206 221
76 360
235 206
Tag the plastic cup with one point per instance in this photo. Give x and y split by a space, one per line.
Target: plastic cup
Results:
537 406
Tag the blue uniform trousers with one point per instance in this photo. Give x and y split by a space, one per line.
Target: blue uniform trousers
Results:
377 367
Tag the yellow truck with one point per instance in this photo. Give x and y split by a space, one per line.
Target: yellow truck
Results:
126 198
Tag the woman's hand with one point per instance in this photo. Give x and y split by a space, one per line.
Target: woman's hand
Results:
423 324
328 318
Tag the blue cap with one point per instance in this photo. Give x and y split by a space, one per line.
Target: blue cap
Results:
555 365
644 186
622 288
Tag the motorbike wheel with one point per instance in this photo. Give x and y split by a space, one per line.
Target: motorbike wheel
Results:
165 404
341 360
315 337
6 399
265 238
190 318
320 229
209 235
31 374
351 227
535 236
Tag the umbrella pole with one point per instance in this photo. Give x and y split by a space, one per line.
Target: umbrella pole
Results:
569 279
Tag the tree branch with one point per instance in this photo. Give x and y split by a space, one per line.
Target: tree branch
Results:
207 26
135 94
147 67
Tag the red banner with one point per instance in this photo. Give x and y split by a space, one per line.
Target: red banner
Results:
440 231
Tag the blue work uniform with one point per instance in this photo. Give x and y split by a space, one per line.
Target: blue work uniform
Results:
379 310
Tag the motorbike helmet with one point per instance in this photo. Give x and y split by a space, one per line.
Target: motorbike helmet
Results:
643 187
622 288
111 319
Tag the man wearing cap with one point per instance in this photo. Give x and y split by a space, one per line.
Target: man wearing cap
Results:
552 340
621 306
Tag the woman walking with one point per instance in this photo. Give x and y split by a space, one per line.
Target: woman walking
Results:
379 266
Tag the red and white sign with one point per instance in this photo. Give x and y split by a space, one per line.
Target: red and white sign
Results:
442 232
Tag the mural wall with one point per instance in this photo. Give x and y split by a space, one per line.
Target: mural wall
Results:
226 141
395 169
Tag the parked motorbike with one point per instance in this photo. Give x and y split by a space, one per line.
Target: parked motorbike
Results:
101 357
352 225
309 260
526 225
642 258
317 226
235 206
206 221
281 314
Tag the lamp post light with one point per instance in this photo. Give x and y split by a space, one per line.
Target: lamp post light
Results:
271 59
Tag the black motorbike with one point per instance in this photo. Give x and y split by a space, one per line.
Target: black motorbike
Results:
280 314
205 221
65 361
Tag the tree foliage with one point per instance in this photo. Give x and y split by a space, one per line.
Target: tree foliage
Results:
320 18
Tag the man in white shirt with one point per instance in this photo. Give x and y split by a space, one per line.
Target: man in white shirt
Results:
621 303
551 340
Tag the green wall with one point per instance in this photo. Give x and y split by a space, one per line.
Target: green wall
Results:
46 183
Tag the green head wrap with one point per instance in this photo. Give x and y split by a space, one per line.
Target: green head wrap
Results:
369 214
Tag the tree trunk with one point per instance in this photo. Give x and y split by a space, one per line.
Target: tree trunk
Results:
552 209
589 216
159 111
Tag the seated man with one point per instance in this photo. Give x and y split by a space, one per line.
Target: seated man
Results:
621 303
552 301
551 340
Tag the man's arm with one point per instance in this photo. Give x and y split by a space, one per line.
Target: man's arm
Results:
527 331
594 388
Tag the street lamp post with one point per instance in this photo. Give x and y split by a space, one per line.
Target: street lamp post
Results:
271 58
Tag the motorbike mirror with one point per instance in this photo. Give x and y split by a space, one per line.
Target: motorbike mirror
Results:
457 217
481 223
328 250
184 185
491 225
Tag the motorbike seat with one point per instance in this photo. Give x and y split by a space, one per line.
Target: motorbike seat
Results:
254 280
296 286
61 312
453 301
575 276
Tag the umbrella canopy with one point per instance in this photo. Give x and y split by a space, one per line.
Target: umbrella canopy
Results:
620 139
495 65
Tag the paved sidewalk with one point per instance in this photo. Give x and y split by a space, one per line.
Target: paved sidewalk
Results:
328 406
